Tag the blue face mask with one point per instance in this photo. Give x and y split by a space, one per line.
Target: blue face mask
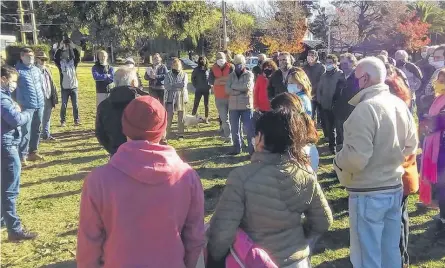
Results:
293 88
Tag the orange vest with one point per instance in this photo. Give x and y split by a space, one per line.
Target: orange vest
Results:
220 91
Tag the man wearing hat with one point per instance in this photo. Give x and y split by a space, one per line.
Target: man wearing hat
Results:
145 207
49 94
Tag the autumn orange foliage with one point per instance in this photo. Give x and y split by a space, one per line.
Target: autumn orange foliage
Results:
283 40
414 32
240 45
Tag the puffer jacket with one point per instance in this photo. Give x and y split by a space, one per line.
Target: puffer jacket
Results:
200 80
109 115
240 91
327 86
267 199
314 73
12 119
29 92
103 75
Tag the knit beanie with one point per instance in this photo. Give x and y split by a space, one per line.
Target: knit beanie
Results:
144 118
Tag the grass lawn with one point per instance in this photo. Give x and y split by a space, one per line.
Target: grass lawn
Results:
50 192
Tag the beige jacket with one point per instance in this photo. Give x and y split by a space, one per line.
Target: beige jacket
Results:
267 199
379 134
240 91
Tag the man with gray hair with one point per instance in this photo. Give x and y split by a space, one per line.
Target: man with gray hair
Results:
411 71
379 134
257 69
109 112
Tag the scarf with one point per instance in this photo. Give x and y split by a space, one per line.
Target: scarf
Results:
430 155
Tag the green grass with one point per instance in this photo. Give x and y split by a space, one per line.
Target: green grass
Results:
50 192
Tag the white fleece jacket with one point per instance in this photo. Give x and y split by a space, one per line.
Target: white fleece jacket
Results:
378 135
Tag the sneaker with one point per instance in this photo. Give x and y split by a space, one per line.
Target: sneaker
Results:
233 153
23 235
50 138
34 157
77 123
206 121
180 137
62 124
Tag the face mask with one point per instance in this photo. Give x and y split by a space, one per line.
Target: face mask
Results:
439 88
28 60
437 64
293 88
284 66
400 63
12 86
260 62
201 63
329 67
424 54
175 71
310 59
221 62
239 68
268 72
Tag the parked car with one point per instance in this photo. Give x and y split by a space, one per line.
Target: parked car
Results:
251 62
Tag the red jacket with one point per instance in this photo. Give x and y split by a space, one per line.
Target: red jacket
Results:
144 208
260 98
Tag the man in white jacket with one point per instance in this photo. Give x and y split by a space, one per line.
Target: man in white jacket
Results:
378 135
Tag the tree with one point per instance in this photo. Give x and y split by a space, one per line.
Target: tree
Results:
286 31
414 33
430 13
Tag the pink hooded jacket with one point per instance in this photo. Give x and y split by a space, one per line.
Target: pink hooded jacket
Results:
145 208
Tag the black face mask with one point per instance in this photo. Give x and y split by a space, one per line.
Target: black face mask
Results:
268 72
201 63
400 63
260 62
175 71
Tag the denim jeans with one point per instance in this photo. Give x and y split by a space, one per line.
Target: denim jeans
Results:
46 120
375 228
404 232
246 117
222 105
11 167
31 133
170 113
66 94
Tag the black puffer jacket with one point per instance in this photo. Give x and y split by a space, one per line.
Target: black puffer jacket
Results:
109 114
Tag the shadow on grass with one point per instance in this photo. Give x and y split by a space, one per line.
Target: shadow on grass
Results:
211 196
332 240
214 173
200 134
75 138
63 264
63 178
58 195
427 246
75 133
338 263
65 152
69 161
68 233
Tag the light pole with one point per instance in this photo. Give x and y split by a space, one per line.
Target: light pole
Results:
329 12
22 22
33 22
224 17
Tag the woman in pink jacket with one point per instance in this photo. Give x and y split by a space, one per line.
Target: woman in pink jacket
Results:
145 207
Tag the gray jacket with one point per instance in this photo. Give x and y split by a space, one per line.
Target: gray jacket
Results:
240 91
329 82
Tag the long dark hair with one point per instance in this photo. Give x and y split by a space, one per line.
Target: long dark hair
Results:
206 62
287 128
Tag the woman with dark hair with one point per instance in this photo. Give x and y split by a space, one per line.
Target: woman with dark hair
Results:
200 81
261 101
396 84
268 197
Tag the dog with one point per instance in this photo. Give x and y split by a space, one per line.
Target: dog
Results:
193 120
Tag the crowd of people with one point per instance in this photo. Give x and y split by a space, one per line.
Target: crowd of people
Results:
145 207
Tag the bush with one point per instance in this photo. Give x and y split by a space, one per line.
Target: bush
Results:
13 51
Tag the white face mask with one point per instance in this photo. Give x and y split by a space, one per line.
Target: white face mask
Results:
424 54
12 86
293 88
329 67
310 59
221 62
438 64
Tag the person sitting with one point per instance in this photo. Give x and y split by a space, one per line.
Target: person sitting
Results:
298 83
109 112
12 119
145 207
268 197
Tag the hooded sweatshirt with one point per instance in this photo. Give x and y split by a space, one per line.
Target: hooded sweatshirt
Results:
145 208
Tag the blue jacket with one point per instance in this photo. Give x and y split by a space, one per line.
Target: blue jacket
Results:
103 75
306 102
29 92
12 119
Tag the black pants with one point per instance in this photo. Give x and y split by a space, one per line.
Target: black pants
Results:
328 125
157 94
198 96
405 232
339 131
316 112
